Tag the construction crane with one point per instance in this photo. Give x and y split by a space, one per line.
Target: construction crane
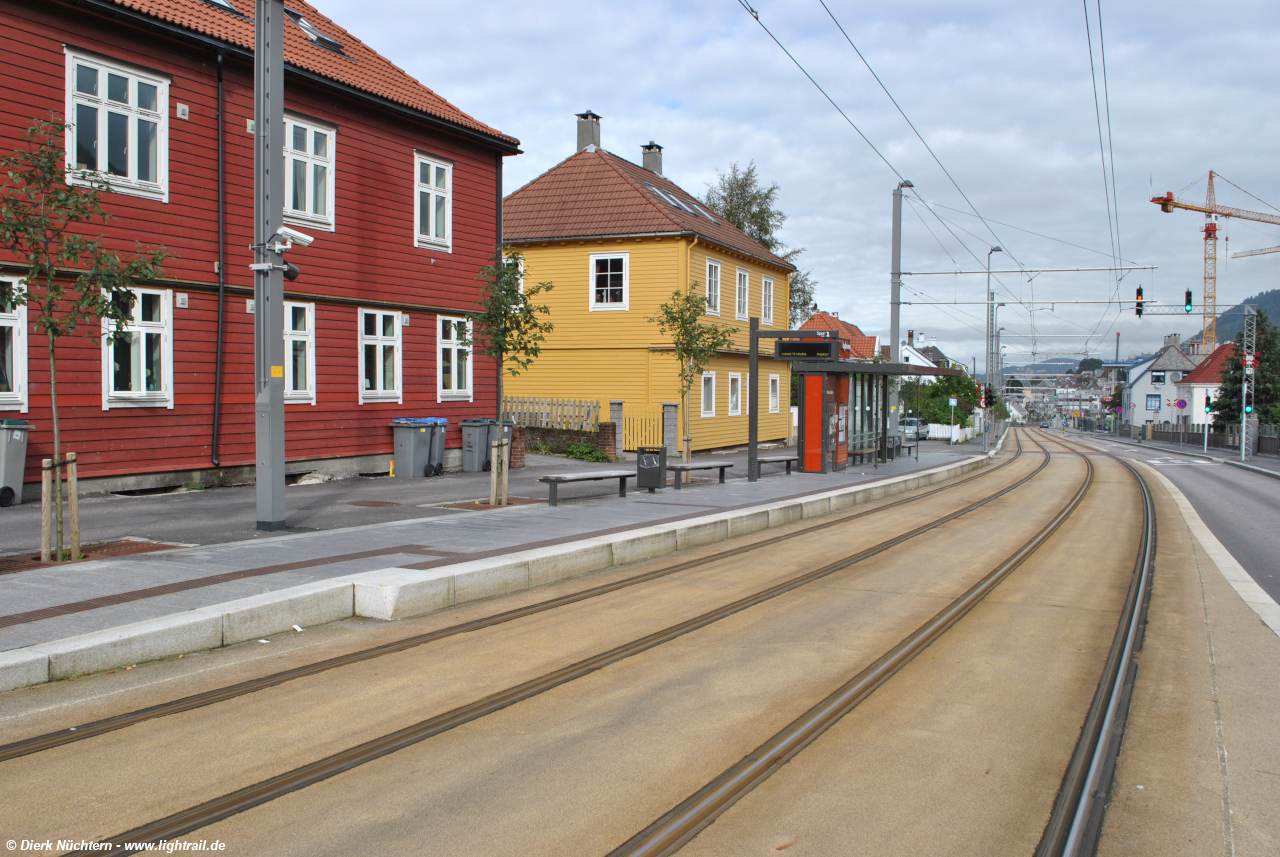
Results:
1212 211
1264 251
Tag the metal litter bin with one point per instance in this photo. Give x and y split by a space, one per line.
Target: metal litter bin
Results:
413 447
651 467
13 459
475 445
439 428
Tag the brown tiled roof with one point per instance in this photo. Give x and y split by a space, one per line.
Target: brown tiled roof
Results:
1211 368
358 66
596 194
856 344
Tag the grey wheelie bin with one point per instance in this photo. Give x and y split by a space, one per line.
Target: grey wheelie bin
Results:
475 445
413 447
439 427
13 459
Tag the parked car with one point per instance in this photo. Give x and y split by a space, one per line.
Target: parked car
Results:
1044 425
912 429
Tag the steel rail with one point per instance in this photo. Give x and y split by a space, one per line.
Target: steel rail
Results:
81 732
257 794
681 823
1075 821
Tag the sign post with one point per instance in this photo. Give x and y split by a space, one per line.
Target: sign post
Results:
952 401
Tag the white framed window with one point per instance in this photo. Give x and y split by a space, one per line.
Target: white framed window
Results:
1153 401
380 356
713 287
118 126
137 364
13 355
744 287
735 394
433 190
610 281
1157 377
775 394
708 394
308 172
766 301
300 353
453 360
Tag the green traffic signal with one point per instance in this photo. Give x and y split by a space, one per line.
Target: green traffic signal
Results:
1248 409
1186 304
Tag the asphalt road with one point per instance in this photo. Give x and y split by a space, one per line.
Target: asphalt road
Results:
1240 507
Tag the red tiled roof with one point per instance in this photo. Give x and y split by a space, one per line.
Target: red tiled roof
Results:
594 194
857 345
358 66
1211 368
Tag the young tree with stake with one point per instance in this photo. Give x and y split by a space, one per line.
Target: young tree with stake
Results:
695 342
72 281
510 326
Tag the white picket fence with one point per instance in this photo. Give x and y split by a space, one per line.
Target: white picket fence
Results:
955 434
552 413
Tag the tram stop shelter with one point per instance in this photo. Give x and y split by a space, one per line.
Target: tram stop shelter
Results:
843 404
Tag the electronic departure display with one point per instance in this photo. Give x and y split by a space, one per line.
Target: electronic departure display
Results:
806 349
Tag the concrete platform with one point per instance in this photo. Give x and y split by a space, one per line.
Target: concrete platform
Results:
392 570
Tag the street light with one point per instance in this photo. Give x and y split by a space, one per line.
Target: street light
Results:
991 311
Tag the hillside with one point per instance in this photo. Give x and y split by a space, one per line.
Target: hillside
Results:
1231 321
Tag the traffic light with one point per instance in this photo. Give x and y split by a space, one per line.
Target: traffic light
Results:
991 398
1137 307
1248 409
982 396
1186 301
1208 408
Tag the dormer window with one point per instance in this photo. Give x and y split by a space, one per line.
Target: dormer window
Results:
313 34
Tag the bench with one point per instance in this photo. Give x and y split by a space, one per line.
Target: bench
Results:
779 459
555 481
699 465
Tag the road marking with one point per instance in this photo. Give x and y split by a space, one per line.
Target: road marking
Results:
1170 462
1244 585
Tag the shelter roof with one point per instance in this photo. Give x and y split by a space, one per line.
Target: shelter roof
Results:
596 194
346 61
1211 368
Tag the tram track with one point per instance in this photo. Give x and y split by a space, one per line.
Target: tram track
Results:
671 831
257 794
91 729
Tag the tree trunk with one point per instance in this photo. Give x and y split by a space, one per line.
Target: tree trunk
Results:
57 444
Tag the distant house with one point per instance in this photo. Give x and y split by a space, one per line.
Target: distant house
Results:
854 344
1203 382
618 239
1151 394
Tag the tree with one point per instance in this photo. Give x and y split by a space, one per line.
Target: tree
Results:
1264 390
739 198
1089 364
935 398
510 326
72 282
695 342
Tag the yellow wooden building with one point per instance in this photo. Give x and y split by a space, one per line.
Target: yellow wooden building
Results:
617 239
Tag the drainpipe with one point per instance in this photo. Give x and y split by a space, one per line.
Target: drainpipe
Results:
222 276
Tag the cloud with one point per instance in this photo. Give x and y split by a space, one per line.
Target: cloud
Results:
1001 90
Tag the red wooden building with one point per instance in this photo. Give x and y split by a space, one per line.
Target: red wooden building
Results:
400 190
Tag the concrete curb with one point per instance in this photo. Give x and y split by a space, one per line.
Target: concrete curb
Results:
399 593
1241 581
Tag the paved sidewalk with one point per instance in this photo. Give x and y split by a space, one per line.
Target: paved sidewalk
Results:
53 603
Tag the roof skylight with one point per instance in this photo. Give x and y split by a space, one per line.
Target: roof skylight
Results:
223 4
675 202
313 34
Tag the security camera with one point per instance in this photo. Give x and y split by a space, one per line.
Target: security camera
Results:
295 236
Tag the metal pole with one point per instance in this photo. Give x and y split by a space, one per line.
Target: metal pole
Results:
895 294
753 404
268 291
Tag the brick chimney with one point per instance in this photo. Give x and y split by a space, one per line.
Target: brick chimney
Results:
651 157
588 130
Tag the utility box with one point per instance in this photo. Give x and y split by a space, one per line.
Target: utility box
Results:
651 467
13 459
413 441
475 445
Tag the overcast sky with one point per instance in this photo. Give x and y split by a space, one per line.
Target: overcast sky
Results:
1000 90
